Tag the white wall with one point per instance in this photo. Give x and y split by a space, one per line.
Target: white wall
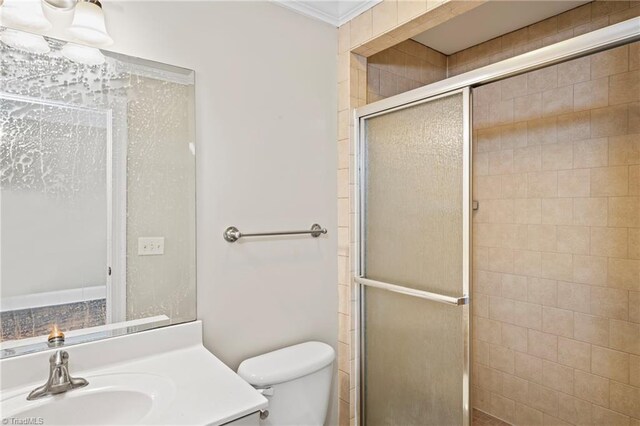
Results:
266 159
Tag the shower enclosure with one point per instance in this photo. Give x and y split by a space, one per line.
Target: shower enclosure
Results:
414 220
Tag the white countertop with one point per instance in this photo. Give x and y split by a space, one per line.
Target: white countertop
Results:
204 391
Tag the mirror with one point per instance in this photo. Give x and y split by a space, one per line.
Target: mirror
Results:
97 192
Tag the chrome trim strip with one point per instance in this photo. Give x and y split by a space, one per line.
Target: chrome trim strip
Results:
435 297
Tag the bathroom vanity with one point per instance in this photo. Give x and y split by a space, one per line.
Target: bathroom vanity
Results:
161 376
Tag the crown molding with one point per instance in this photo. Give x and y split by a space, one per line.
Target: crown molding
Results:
336 18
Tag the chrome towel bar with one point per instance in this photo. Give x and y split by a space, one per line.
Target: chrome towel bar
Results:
449 300
233 234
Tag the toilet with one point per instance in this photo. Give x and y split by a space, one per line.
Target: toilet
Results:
296 380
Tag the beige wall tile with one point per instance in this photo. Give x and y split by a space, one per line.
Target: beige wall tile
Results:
557 211
574 183
574 71
384 16
515 312
543 399
527 159
624 150
590 269
625 336
542 131
610 121
591 94
588 328
575 297
502 358
573 239
557 376
590 153
515 388
634 180
624 212
625 399
557 156
542 291
609 363
543 345
609 242
408 9
602 416
574 126
514 287
558 266
526 415
528 367
590 211
487 330
574 354
514 87
557 321
488 378
527 107
542 79
624 87
613 61
634 243
361 28
634 306
634 370
481 352
624 273
634 56
503 407
574 410
514 337
542 184
542 237
527 211
557 101
591 388
501 259
610 302
527 262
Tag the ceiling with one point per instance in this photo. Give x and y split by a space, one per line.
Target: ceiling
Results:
334 12
488 21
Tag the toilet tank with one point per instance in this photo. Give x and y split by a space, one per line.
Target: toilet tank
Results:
296 380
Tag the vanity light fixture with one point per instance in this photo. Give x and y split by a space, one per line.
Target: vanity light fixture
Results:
24 14
88 24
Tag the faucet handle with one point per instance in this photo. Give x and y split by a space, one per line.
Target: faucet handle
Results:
59 358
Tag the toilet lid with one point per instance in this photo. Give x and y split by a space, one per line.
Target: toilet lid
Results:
286 364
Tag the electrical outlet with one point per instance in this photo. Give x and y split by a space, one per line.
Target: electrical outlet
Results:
150 246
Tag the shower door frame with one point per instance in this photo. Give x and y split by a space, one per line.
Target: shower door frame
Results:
602 39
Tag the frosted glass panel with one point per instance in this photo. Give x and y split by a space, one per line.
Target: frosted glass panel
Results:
413 212
414 356
415 351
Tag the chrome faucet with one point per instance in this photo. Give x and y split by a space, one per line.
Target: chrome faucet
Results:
59 378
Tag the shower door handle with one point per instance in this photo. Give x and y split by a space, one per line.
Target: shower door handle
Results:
435 297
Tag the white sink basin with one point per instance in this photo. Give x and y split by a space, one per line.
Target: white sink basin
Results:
109 399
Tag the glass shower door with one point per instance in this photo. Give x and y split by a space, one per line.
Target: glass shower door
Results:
414 263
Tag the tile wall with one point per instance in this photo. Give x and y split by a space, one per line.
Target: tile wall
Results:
404 67
556 249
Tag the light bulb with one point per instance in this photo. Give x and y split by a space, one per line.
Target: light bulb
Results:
24 41
88 24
